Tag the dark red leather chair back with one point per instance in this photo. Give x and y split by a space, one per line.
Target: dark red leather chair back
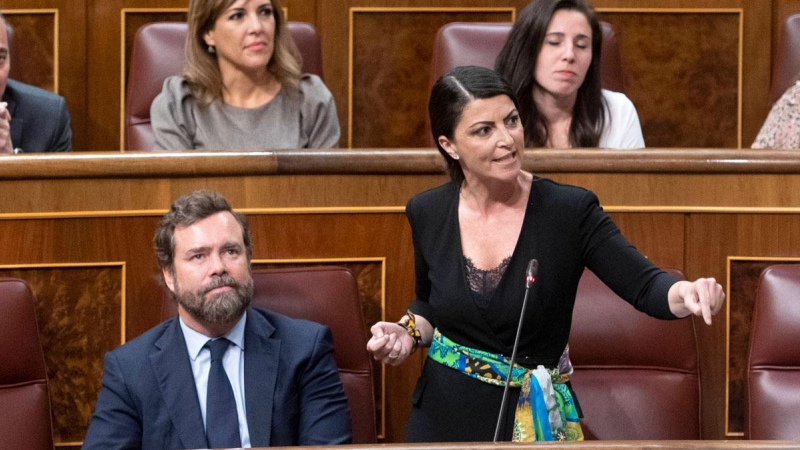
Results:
479 43
635 377
158 53
786 65
773 375
25 420
326 295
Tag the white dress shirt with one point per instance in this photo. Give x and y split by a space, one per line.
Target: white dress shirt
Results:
233 362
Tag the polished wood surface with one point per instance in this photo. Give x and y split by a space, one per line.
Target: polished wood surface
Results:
389 161
80 227
586 445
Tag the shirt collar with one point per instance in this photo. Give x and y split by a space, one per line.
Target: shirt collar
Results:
195 340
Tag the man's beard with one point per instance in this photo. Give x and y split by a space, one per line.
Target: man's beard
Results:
221 308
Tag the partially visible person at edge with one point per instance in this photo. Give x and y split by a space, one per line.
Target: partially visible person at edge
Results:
473 238
32 120
552 62
242 86
273 381
781 130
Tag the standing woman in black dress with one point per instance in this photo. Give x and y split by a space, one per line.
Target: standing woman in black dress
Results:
473 238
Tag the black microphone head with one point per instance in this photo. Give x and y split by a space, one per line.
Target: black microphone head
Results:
530 274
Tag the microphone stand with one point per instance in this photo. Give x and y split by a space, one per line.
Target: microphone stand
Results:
530 277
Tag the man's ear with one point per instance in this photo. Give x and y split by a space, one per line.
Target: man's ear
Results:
168 279
448 146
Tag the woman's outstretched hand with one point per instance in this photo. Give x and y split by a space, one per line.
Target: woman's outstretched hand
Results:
390 343
703 297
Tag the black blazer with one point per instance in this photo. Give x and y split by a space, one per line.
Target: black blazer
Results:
39 119
565 229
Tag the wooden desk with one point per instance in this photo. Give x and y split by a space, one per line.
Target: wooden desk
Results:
79 228
586 445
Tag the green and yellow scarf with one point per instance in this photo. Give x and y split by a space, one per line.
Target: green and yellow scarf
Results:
545 410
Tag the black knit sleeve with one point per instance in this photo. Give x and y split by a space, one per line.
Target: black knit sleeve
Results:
422 289
619 264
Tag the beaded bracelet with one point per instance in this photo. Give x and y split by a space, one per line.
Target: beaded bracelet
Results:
411 329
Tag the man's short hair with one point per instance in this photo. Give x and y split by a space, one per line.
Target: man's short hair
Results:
187 210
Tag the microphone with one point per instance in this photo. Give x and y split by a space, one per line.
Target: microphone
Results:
530 278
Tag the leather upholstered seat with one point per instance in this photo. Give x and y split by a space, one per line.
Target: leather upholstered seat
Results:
773 372
636 377
25 418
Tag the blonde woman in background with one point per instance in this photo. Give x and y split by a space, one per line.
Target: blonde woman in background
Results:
242 86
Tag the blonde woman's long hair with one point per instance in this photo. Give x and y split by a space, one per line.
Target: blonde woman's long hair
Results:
201 69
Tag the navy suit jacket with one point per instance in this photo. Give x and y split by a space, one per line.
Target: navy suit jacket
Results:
293 392
39 119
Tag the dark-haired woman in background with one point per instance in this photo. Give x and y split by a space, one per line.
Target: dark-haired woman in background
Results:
473 238
552 61
242 86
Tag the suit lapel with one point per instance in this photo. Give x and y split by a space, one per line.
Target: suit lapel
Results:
260 375
171 365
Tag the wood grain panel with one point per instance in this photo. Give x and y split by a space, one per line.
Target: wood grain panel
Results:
665 248
711 240
756 50
145 183
682 73
79 311
391 69
33 55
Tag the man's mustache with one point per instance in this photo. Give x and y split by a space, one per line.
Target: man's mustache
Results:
223 280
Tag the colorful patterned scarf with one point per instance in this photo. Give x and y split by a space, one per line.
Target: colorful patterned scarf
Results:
545 410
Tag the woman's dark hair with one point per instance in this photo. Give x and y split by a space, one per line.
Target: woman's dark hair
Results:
517 64
450 94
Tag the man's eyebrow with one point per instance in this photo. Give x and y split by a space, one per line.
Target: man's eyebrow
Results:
193 250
